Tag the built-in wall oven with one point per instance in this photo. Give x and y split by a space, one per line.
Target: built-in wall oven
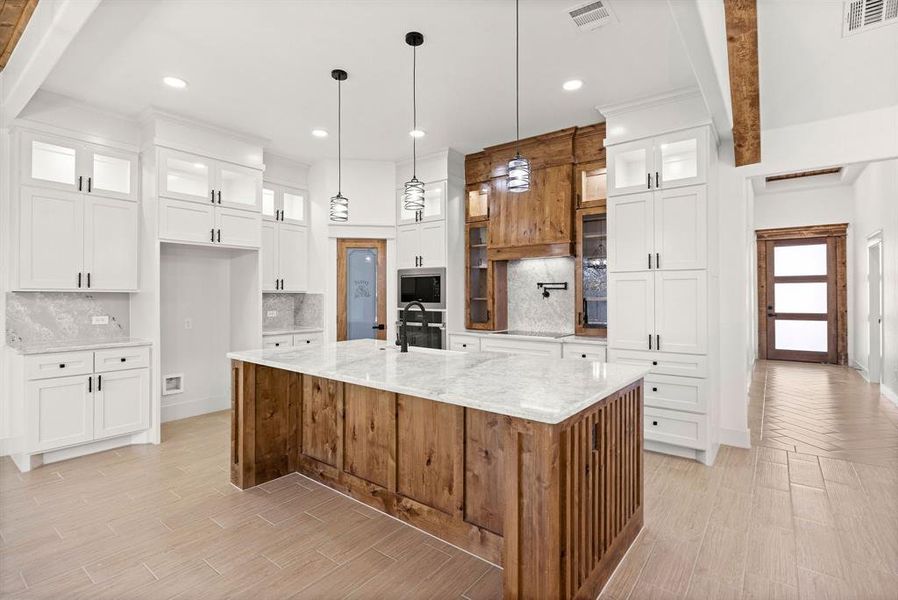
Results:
426 286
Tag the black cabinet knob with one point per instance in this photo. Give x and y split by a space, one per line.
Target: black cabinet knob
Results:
276 344
654 423
308 341
124 359
582 356
62 365
655 363
654 389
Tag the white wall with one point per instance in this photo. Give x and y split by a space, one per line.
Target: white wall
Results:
876 209
805 206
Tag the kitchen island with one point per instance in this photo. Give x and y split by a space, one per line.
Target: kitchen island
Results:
532 463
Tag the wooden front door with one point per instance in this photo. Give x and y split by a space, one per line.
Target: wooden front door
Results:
799 296
361 289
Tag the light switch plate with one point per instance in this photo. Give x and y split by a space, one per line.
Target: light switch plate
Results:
272 313
188 324
100 320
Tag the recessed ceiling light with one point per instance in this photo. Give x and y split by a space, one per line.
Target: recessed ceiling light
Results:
175 82
319 133
573 84
416 133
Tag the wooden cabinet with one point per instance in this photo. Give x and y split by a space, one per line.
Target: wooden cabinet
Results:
322 419
477 202
121 402
421 245
71 241
370 435
486 304
663 230
285 257
284 204
434 204
591 275
194 178
66 164
208 224
663 162
591 181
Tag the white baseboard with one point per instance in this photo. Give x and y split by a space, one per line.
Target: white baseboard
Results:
888 393
740 438
193 408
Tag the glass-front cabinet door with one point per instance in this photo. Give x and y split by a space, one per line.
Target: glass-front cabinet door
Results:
592 272
434 204
50 161
269 203
479 276
111 173
293 206
477 202
592 184
185 176
680 158
238 187
630 167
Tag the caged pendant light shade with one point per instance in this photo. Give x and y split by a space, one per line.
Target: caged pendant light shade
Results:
518 167
413 196
339 205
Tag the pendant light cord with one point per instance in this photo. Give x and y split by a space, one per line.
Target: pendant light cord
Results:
414 109
339 138
517 78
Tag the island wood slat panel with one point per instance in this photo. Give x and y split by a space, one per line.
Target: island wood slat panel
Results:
567 497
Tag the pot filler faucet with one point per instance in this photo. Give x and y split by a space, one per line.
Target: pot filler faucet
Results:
403 329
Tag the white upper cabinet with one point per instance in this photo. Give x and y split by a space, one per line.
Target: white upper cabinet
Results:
434 204
66 164
186 221
662 162
110 244
630 232
421 245
680 217
408 246
284 204
51 239
293 257
237 228
271 281
195 178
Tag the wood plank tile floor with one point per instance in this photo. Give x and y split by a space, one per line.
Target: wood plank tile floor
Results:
808 512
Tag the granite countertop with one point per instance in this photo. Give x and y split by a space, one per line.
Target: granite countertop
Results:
293 330
547 390
76 345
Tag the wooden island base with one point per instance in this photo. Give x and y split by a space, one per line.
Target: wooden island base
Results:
556 506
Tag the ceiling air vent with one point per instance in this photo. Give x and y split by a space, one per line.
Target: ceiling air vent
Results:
592 15
863 15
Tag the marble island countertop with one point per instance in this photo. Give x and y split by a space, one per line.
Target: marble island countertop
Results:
78 345
541 389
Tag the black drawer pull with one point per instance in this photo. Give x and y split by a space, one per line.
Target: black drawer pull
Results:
308 341
62 365
276 344
582 356
654 423
655 363
99 383
124 359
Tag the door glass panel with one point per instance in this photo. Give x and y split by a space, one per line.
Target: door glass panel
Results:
679 160
433 200
294 206
595 271
800 297
50 162
808 336
237 187
630 169
361 293
267 202
112 174
805 259
187 177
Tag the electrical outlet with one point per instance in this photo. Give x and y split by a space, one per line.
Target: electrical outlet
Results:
100 320
188 324
272 313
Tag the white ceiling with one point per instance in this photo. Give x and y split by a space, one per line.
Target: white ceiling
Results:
264 68
808 72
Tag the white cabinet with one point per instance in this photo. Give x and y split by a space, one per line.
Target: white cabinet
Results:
663 230
121 402
676 428
61 163
434 204
59 412
308 339
287 340
181 221
573 350
285 257
277 341
464 343
284 204
663 162
237 228
498 343
194 178
631 310
421 245
71 241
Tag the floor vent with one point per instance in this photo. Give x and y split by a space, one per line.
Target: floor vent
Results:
863 15
592 15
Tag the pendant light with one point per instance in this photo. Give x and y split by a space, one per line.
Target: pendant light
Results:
518 167
413 198
339 210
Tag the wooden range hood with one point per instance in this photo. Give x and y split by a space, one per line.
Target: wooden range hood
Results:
538 223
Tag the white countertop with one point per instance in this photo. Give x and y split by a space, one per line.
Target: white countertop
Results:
560 339
547 390
79 345
584 339
297 330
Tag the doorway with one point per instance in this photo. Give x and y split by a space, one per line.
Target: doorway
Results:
874 308
361 289
802 294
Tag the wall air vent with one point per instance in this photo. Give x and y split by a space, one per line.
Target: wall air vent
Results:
863 15
592 15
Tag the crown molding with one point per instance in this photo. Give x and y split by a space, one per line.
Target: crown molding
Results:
672 97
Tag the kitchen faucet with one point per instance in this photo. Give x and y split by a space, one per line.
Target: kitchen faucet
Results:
403 329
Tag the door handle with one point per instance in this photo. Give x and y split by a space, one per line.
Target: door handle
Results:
771 315
378 326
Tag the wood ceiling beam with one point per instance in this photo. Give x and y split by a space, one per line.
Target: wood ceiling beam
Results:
14 17
742 50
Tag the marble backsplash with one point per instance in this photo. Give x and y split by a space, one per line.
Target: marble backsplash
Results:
294 311
51 317
527 309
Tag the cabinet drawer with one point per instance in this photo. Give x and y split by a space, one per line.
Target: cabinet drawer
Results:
551 349
464 343
676 428
584 351
119 359
277 341
60 364
676 393
663 363
308 339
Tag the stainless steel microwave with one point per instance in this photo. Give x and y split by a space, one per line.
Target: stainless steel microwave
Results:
427 286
